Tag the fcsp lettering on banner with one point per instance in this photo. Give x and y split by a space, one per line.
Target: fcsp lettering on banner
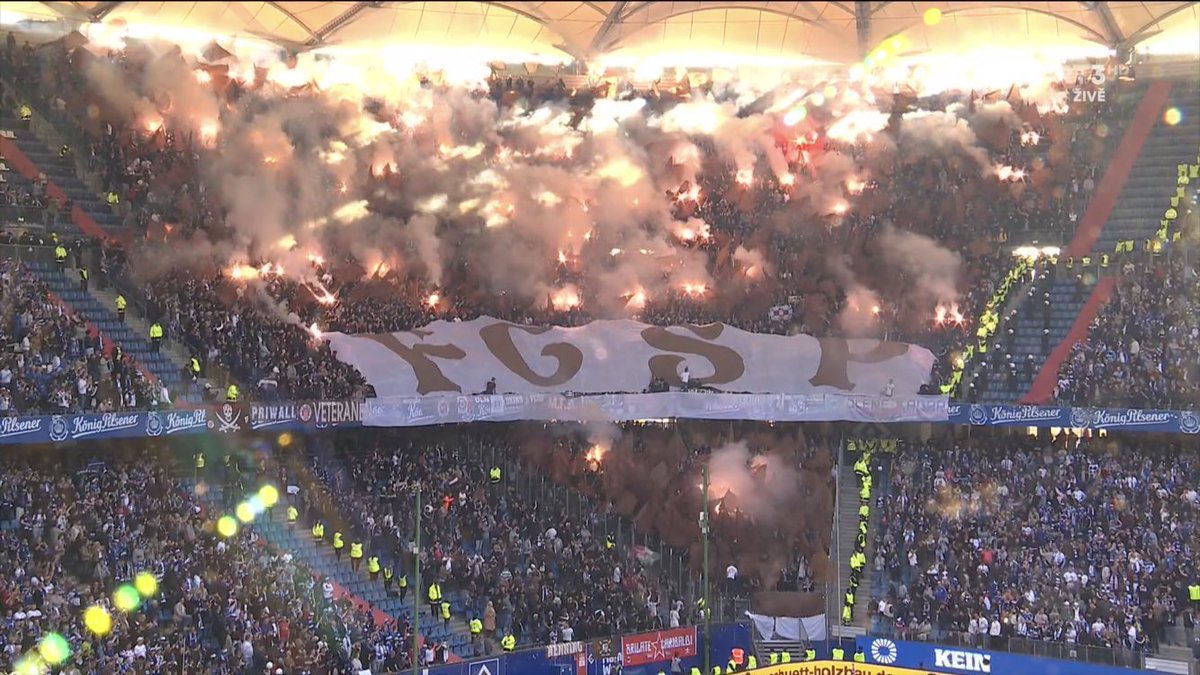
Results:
950 658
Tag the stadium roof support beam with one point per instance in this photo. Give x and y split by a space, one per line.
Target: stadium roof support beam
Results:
103 9
340 20
862 26
1144 32
1112 30
612 19
292 16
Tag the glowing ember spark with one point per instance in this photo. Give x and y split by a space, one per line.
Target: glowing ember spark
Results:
686 233
342 188
152 124
1009 174
795 115
939 314
855 186
840 208
875 310
350 211
562 258
208 132
203 76
381 270
637 299
694 289
315 331
565 298
433 299
787 179
621 170
745 176
316 259
1030 138
595 456
287 242
615 252
242 272
270 161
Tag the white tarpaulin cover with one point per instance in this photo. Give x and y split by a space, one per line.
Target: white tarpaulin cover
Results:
622 356
792 629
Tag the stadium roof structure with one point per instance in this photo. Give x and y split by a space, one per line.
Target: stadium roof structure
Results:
838 32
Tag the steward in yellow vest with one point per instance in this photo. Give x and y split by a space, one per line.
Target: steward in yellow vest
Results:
318 531
293 515
338 545
373 567
509 643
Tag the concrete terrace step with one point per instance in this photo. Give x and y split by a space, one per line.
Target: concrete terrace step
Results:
322 560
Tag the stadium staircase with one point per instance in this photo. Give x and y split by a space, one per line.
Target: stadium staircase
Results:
61 172
844 536
321 561
1151 180
138 347
1134 215
1066 301
170 364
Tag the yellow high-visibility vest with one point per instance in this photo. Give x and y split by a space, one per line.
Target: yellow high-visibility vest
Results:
60 253
293 514
435 593
388 573
403 583
445 610
476 626
121 304
337 540
156 330
318 530
508 643
373 564
195 365
356 550
200 460
231 394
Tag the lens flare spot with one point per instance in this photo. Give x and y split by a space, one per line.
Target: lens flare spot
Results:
227 526
126 598
932 16
54 649
146 584
97 620
268 495
1172 116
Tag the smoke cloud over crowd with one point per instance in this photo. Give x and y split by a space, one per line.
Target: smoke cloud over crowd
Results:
578 200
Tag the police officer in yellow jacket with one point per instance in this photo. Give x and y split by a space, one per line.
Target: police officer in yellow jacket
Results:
373 567
751 662
838 654
860 656
356 555
403 585
26 112
318 532
508 642
476 628
293 514
156 336
338 545
434 595
121 305
60 256
445 614
389 578
232 394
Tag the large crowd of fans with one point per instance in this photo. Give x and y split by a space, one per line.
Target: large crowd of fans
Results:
222 604
526 566
1143 349
1079 541
54 363
155 177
